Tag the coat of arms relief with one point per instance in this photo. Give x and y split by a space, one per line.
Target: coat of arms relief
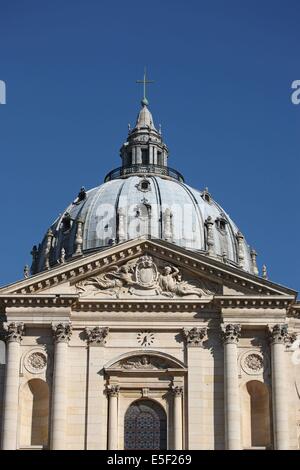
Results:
144 277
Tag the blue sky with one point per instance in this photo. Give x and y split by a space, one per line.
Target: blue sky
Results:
223 72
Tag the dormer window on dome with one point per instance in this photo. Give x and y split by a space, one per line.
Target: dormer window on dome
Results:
221 223
66 222
206 196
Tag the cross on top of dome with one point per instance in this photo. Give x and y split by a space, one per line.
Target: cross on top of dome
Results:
145 82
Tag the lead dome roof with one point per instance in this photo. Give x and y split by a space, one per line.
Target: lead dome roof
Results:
143 197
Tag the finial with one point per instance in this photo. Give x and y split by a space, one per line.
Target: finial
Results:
26 271
144 101
264 272
253 255
159 129
129 127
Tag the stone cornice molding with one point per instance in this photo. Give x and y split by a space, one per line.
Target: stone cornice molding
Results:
231 333
195 336
92 304
62 332
41 300
198 263
13 331
255 301
97 336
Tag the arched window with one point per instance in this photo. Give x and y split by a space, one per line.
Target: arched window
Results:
145 426
34 420
256 415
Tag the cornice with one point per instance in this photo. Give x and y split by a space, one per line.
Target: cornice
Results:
200 264
93 304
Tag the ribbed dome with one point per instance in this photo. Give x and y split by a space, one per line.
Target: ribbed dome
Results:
143 197
127 208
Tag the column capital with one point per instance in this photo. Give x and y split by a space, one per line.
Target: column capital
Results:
96 336
195 336
279 334
113 390
13 331
62 332
231 333
177 390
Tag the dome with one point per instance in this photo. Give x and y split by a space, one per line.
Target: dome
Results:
159 207
144 197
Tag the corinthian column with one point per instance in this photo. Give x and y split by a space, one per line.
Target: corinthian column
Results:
279 335
61 334
178 391
13 333
197 409
113 393
231 334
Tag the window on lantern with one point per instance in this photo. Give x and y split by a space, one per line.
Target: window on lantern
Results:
160 161
145 156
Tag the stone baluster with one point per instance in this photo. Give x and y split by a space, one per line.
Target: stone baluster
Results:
210 236
79 237
253 255
240 244
49 237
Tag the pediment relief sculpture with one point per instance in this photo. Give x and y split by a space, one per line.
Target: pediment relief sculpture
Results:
145 278
143 362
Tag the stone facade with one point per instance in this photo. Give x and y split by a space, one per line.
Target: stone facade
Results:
215 349
146 325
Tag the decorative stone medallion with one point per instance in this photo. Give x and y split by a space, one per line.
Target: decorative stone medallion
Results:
36 361
252 362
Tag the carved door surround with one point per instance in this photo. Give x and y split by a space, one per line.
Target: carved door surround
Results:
146 374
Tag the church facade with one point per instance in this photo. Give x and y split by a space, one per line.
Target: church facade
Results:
144 323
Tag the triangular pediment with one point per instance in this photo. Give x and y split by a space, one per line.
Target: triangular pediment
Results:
145 268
